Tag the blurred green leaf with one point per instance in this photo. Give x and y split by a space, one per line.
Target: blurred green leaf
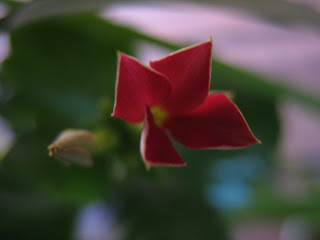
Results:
272 204
59 70
65 66
240 80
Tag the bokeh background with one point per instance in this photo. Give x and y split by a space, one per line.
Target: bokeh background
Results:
57 71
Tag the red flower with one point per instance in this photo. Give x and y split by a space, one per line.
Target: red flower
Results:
172 97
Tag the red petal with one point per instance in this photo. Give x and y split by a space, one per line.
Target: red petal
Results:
156 147
188 71
218 123
137 86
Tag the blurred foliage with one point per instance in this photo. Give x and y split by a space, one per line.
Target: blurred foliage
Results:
61 74
169 211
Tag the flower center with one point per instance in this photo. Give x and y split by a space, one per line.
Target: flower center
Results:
159 115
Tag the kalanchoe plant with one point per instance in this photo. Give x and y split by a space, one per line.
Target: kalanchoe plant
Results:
172 98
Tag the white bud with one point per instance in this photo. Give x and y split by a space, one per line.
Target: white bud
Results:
73 146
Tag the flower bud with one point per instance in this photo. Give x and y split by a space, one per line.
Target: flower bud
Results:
73 146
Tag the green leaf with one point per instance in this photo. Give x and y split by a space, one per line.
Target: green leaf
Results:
60 70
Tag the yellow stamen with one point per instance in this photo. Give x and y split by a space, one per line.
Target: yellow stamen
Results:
159 115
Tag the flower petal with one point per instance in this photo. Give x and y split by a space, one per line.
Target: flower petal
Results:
156 147
137 86
189 72
218 123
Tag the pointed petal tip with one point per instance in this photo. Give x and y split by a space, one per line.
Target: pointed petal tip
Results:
217 124
114 115
155 146
189 72
182 50
254 140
